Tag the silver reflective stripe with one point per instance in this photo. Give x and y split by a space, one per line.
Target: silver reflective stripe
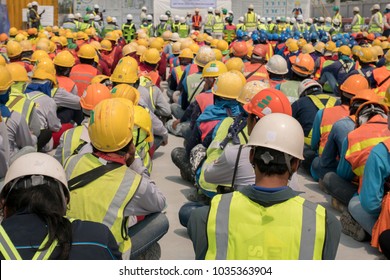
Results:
70 164
67 146
151 97
26 106
222 226
45 254
6 248
308 231
119 199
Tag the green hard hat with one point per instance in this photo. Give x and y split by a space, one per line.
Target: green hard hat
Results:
336 8
224 11
88 9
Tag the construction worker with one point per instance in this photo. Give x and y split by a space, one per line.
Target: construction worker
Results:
185 57
333 134
175 24
128 29
265 155
150 26
34 16
250 19
69 23
163 26
96 25
380 75
376 21
4 149
170 18
183 28
337 15
48 189
229 31
143 14
83 73
114 143
241 25
371 127
255 69
277 69
116 47
148 66
14 53
218 25
386 21
357 21
196 20
19 135
208 26
109 27
97 12
300 25
84 25
367 59
311 100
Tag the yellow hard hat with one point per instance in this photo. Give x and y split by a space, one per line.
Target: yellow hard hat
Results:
204 56
214 43
111 124
376 42
143 121
38 55
80 35
87 51
5 78
235 63
124 73
345 50
250 89
2 61
47 64
143 42
109 19
26 46
128 49
64 59
96 45
308 48
367 55
13 31
63 41
106 45
320 47
222 45
14 49
228 85
43 44
93 95
330 46
99 79
112 36
194 48
41 73
151 56
214 69
187 53
186 44
301 42
52 47
378 51
157 45
293 46
20 37
385 45
126 91
218 54
356 49
140 50
18 72
167 35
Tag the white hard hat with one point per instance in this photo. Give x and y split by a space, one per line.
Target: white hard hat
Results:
278 18
71 16
299 17
321 19
241 19
388 6
96 6
149 17
177 18
175 36
277 65
164 18
217 11
328 19
262 19
251 6
356 9
34 3
293 20
210 9
288 19
77 15
258 17
336 21
98 18
114 20
269 19
230 12
307 84
182 20
29 5
38 164
196 10
376 7
272 130
310 20
129 17
144 8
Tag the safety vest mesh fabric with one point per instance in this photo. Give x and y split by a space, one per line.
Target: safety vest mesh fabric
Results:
214 151
374 28
128 32
65 83
329 117
204 100
218 24
241 229
229 35
84 26
9 251
82 74
209 21
380 75
161 29
108 28
241 26
262 26
339 17
250 20
71 140
192 84
281 27
290 89
301 27
179 72
330 102
260 74
358 25
105 199
21 105
327 28
183 30
362 140
175 27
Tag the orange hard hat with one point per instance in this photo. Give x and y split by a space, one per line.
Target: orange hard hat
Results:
304 65
93 95
354 84
240 49
260 50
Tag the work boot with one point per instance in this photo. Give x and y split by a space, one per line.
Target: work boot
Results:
338 205
180 159
152 253
352 228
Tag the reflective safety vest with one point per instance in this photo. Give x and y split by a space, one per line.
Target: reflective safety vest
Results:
374 28
241 26
161 28
175 27
73 140
218 24
214 151
143 152
18 88
10 252
179 70
196 20
359 23
329 117
148 77
209 21
22 105
250 20
193 82
84 26
280 28
108 28
262 26
382 78
105 199
301 27
82 74
70 25
362 140
229 35
290 89
260 74
316 99
339 17
204 100
66 83
183 30
317 75
128 32
327 27
240 229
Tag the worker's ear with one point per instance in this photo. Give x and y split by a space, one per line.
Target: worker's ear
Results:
252 157
295 163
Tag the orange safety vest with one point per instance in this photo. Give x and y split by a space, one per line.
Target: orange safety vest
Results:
196 22
317 75
362 140
152 75
109 58
204 100
66 83
329 117
82 74
179 72
260 74
382 78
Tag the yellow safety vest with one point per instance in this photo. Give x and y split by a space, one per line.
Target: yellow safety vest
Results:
374 27
71 142
105 199
193 81
214 151
241 229
250 20
21 105
209 21
218 24
142 147
358 26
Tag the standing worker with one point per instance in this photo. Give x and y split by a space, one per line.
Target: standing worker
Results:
34 17
376 21
337 15
196 20
143 13
357 21
208 26
128 29
386 21
250 19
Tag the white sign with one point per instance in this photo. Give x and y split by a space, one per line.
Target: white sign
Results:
47 19
193 3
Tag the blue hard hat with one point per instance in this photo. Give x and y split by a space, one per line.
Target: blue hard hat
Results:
239 33
338 43
314 36
324 39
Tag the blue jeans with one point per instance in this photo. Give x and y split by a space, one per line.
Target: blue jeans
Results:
186 210
331 79
339 188
366 220
177 111
147 232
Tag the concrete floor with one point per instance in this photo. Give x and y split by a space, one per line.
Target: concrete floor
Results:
176 245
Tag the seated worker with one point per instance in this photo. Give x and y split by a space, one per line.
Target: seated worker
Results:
269 208
111 165
34 201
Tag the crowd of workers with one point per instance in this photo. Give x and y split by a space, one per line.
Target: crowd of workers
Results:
84 107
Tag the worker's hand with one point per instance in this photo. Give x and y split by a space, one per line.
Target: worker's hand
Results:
175 123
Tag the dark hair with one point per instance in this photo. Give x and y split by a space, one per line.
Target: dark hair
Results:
63 71
47 202
89 61
276 166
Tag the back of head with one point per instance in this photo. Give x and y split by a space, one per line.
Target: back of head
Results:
308 87
229 86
